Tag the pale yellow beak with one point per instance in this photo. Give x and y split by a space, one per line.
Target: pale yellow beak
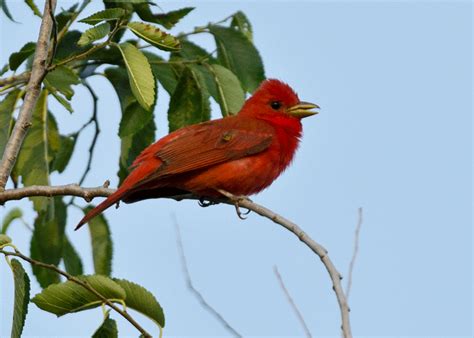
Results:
303 109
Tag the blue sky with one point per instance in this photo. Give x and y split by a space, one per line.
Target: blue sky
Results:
394 82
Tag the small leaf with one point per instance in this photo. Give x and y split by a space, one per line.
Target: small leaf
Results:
65 103
69 297
140 75
167 20
62 78
189 103
22 298
16 59
3 6
242 23
48 240
154 36
94 34
63 18
71 259
12 215
238 54
4 239
62 157
33 7
142 300
101 244
108 329
105 15
231 95
6 112
134 118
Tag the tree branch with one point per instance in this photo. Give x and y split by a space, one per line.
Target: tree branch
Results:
354 254
82 283
38 72
89 193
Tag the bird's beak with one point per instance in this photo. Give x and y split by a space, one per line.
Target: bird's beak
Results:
303 109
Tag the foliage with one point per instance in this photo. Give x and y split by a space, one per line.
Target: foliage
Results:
129 44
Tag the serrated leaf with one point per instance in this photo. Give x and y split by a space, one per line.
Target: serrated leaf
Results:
231 96
62 79
101 244
133 119
189 103
72 260
94 34
64 153
105 15
12 215
48 240
167 20
33 160
140 75
22 298
108 329
6 112
4 239
132 145
17 58
142 300
69 297
238 54
242 23
154 36
33 7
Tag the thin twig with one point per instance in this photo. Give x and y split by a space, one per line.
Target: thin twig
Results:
80 282
191 287
15 79
38 72
292 303
354 254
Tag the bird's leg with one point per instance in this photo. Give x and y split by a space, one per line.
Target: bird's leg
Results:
236 200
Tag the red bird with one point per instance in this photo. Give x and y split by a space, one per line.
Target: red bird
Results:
241 154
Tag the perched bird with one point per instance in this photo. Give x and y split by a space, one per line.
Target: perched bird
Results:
241 154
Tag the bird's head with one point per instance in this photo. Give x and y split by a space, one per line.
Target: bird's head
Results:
276 98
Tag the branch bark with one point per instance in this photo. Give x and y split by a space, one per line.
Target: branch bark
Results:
38 72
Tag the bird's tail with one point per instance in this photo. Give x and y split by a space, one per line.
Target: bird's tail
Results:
109 201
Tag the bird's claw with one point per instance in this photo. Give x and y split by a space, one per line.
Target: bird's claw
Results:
205 203
241 214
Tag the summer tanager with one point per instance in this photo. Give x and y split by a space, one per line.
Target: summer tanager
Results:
241 154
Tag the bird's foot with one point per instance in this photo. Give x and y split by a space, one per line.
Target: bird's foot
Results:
237 200
204 203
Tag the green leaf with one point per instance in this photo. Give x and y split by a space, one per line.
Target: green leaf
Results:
154 36
22 298
3 6
189 103
33 7
4 239
68 46
231 96
94 34
238 54
108 329
167 20
242 23
72 260
63 18
6 112
12 215
167 74
63 155
105 15
191 51
101 244
134 118
132 145
142 300
17 58
48 240
140 75
118 78
61 79
65 103
69 297
33 160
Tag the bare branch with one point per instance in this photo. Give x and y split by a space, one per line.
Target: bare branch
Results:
354 254
38 72
15 79
292 303
191 287
82 283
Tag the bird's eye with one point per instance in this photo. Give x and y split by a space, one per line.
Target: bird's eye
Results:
275 105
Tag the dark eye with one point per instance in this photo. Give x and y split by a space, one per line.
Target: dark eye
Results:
275 105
